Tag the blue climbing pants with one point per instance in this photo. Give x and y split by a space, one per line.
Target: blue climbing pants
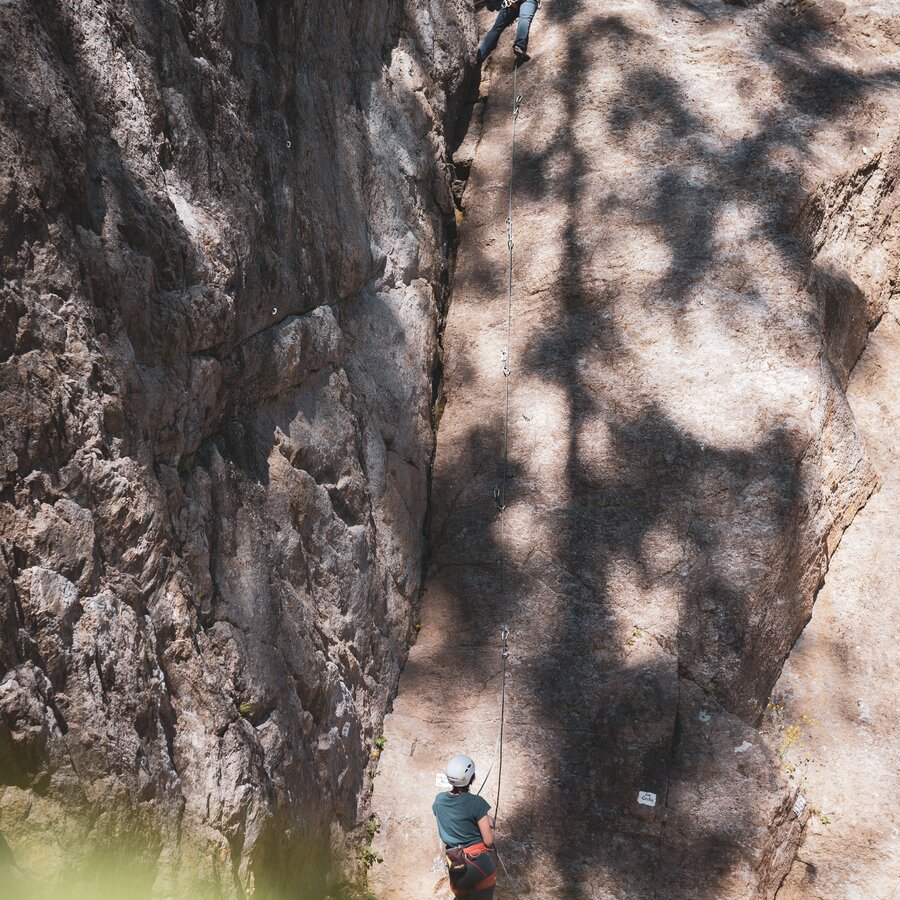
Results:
524 12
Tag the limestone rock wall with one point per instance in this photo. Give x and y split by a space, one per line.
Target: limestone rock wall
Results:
705 229
224 246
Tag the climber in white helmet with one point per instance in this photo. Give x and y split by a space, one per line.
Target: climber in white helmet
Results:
467 832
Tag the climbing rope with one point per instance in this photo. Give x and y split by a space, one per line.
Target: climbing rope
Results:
500 493
506 360
500 496
509 877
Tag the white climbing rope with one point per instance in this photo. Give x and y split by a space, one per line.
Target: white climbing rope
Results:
507 370
500 493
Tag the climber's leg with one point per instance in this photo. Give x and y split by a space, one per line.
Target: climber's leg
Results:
504 19
474 893
486 894
479 878
527 9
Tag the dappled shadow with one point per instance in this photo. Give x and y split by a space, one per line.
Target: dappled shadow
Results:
660 558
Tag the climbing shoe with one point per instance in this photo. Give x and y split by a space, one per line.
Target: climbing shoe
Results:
521 53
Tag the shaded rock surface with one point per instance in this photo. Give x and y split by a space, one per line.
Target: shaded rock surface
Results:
225 241
705 229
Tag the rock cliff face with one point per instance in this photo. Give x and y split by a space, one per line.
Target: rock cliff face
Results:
705 225
225 245
838 688
226 237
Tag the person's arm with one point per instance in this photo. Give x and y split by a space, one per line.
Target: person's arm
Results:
486 827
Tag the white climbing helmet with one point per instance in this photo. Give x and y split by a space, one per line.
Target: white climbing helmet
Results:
460 771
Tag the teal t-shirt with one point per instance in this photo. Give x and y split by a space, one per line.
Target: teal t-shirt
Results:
457 817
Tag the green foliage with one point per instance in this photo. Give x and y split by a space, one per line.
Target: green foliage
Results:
369 856
373 826
99 863
246 709
379 742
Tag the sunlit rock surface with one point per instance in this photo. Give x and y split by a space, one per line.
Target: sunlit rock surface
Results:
224 251
705 227
838 689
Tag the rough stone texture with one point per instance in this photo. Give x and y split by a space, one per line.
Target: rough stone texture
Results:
224 238
842 673
705 225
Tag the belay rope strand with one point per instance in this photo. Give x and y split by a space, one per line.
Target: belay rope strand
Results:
505 358
500 493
